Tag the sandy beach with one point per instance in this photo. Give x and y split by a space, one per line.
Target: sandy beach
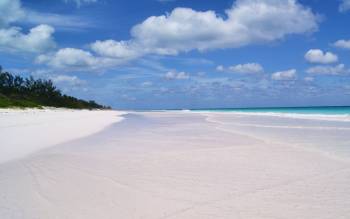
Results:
173 164
26 131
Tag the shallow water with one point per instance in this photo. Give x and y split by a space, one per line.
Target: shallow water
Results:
330 136
328 110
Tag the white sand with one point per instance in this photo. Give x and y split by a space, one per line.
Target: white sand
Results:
25 131
186 165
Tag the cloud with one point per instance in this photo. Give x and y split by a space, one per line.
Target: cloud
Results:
61 22
12 39
66 82
309 79
248 68
220 68
247 22
75 59
66 79
318 56
10 11
38 39
147 84
163 1
328 70
79 3
68 57
111 48
284 75
344 44
174 75
344 6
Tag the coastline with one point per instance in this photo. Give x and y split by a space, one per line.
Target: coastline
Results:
299 114
187 165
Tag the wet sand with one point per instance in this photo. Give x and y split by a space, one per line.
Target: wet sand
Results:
187 165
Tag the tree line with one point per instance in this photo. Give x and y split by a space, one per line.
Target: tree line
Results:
29 92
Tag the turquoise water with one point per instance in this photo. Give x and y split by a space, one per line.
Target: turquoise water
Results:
331 110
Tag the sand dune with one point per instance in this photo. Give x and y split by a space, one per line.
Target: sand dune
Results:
187 165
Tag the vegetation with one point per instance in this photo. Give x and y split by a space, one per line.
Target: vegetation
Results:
16 91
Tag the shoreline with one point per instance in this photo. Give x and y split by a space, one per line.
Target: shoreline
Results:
300 115
311 116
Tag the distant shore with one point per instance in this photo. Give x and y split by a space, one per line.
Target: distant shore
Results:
172 164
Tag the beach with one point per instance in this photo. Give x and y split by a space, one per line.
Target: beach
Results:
26 131
173 164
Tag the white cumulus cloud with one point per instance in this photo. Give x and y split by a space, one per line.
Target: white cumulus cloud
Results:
38 39
111 48
75 59
13 39
344 44
318 56
184 29
287 75
248 21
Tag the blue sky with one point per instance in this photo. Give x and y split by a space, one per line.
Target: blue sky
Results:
157 54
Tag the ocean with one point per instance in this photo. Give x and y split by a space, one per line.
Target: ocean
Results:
325 110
